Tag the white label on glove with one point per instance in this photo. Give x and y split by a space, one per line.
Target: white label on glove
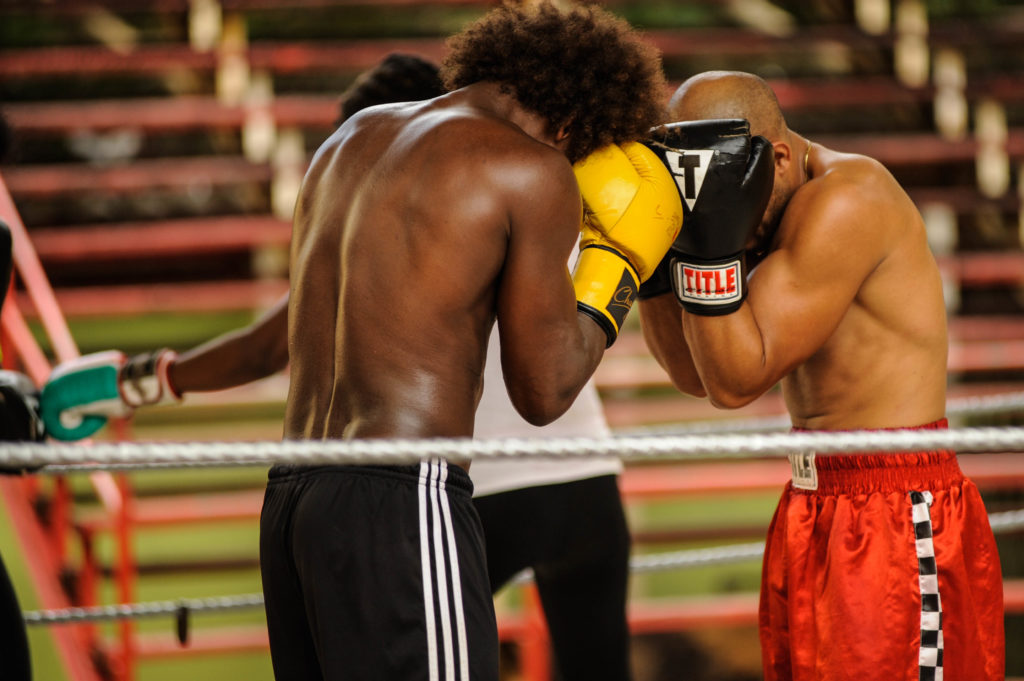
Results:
709 285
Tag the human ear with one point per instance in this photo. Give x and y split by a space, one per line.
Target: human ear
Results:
783 157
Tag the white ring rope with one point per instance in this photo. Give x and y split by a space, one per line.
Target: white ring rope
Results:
463 450
982 405
104 613
969 406
61 469
1005 521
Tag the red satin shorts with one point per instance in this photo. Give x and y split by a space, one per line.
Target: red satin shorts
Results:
886 569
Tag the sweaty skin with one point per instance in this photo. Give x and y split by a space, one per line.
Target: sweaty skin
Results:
416 226
846 307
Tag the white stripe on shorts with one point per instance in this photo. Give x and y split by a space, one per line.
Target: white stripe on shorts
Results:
453 559
442 574
435 531
428 580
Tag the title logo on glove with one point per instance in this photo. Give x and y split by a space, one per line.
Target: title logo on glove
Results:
714 285
689 167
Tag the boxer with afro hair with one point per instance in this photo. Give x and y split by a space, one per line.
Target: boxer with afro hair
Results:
607 89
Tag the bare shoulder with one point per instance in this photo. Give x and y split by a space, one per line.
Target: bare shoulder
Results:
456 151
852 196
492 151
857 179
522 163
535 178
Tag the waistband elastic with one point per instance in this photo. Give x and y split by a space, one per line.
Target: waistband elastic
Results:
454 478
884 471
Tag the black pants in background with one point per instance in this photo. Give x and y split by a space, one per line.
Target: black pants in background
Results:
14 652
574 536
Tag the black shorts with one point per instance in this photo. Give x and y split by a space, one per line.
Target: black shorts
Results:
376 572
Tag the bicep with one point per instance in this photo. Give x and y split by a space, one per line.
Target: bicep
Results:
800 293
535 295
547 352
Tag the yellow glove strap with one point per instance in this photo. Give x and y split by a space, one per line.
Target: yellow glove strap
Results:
606 287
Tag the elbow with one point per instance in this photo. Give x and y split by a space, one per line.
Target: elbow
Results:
539 409
539 419
731 397
688 384
541 414
729 400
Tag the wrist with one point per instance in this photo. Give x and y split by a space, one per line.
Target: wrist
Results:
606 285
165 369
145 379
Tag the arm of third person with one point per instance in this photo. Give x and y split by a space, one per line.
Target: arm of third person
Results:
236 357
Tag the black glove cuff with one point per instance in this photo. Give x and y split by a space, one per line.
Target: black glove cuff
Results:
659 282
710 287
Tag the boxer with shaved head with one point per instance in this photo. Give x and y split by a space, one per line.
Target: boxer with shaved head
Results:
878 565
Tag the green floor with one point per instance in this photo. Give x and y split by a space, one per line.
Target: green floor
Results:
151 546
46 664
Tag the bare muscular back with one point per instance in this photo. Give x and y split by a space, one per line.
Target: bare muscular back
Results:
882 362
400 237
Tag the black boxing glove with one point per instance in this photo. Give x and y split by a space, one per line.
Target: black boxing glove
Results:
660 280
19 408
19 414
6 259
725 180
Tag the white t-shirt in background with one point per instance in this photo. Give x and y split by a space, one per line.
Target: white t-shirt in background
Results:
497 418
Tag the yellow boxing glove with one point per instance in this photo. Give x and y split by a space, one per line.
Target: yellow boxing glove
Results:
633 214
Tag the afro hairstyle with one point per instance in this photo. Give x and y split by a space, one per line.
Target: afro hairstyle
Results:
580 68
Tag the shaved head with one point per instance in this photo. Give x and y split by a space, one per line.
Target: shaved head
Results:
736 94
730 94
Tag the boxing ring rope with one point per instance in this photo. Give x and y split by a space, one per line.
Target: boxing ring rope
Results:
963 407
59 458
463 450
1006 521
955 408
738 439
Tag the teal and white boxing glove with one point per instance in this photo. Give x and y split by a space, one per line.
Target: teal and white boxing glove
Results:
83 393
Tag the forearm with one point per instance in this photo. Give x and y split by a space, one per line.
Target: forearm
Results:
661 321
220 364
237 357
82 394
730 356
543 387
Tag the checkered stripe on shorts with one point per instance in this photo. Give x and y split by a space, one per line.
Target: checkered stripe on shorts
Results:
930 655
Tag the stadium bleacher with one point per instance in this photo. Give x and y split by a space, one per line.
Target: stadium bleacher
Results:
157 146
